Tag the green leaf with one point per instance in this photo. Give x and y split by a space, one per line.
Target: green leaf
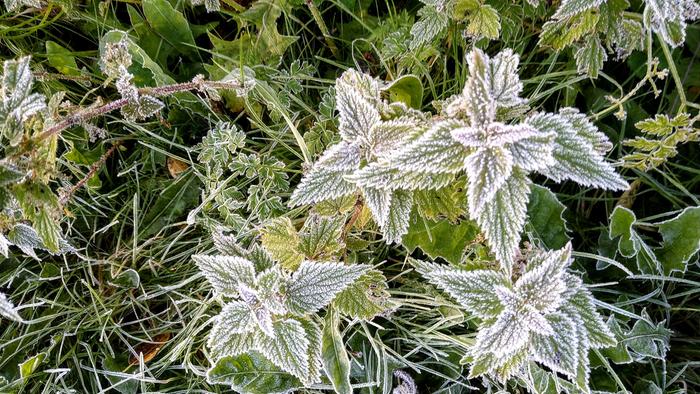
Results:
631 244
30 365
649 340
61 59
314 285
281 240
484 22
407 89
9 175
440 238
288 348
335 358
319 239
170 24
365 298
681 240
502 218
252 373
546 218
570 8
48 229
225 272
590 57
128 279
562 33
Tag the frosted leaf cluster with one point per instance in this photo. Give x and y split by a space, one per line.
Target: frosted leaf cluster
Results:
210 5
371 130
269 309
115 62
17 102
547 316
482 133
14 5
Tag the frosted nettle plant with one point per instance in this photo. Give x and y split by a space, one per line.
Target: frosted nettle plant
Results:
7 309
269 311
547 316
370 129
17 102
485 136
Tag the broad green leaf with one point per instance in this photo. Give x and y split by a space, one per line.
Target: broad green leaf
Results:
335 358
281 240
8 310
619 353
546 218
631 244
170 24
365 298
407 89
252 373
315 284
440 238
61 59
681 240
649 340
225 272
48 229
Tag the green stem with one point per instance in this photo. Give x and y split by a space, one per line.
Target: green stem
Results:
318 18
674 73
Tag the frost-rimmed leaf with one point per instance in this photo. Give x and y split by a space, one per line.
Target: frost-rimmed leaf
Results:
396 225
17 103
488 169
314 285
474 290
326 179
225 272
288 348
364 298
576 158
590 57
430 25
8 310
252 373
357 114
502 218
320 236
281 240
559 351
569 8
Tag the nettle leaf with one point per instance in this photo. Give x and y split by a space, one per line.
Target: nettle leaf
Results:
365 298
288 348
440 238
484 22
320 237
576 157
314 334
281 240
8 310
597 331
221 342
313 285
252 373
558 351
224 273
327 178
569 8
561 33
357 113
590 57
668 18
397 221
431 25
17 103
474 290
502 218
546 218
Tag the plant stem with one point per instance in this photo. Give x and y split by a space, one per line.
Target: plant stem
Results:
674 73
93 169
318 18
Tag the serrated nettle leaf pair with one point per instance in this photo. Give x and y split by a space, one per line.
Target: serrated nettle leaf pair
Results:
481 132
270 311
547 315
